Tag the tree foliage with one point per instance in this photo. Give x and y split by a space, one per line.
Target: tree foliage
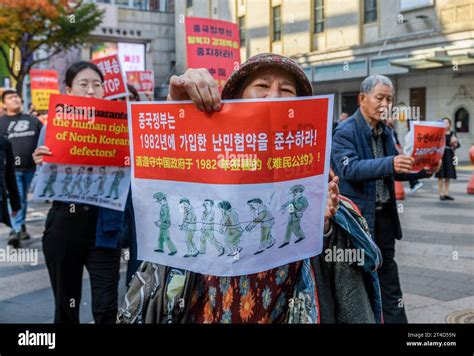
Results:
51 25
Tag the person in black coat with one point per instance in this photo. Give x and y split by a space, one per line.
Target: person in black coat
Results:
448 170
8 186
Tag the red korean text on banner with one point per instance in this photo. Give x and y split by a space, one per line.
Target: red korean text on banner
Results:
213 44
44 82
172 142
87 131
114 82
429 144
143 81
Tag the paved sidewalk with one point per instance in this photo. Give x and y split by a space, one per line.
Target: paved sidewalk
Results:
436 254
25 290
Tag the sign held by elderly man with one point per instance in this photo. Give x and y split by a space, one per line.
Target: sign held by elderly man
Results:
237 193
427 144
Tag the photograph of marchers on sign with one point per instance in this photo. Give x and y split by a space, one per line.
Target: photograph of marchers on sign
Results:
239 194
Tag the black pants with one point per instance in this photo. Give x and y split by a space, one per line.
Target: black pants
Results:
130 234
68 246
392 299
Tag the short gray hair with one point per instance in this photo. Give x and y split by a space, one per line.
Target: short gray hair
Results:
371 81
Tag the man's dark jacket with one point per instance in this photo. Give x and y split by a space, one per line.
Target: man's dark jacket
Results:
8 186
352 159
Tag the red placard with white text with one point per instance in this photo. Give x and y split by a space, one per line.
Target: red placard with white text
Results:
143 80
114 83
44 82
213 44
87 131
429 142
89 161
248 179
178 132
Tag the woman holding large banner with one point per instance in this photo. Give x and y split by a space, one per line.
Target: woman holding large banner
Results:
313 290
70 237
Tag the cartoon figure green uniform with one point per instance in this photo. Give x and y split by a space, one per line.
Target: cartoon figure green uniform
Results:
114 187
296 208
66 181
207 229
101 179
51 180
164 224
78 181
266 220
88 180
188 226
230 227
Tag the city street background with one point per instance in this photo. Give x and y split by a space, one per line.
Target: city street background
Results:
437 287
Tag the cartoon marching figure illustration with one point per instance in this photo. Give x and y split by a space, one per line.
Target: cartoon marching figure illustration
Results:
101 179
164 224
188 226
296 208
266 220
50 182
230 227
78 180
66 181
114 187
88 180
207 229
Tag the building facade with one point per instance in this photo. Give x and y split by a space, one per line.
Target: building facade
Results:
141 32
425 46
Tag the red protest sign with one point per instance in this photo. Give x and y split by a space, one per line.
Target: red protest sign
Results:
255 159
87 131
44 79
213 44
428 144
244 143
143 80
114 82
43 83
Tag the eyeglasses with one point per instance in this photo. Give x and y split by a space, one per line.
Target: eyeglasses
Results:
86 85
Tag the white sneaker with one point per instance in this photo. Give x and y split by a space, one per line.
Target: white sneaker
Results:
416 188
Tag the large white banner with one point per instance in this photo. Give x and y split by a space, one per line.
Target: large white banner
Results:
239 193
